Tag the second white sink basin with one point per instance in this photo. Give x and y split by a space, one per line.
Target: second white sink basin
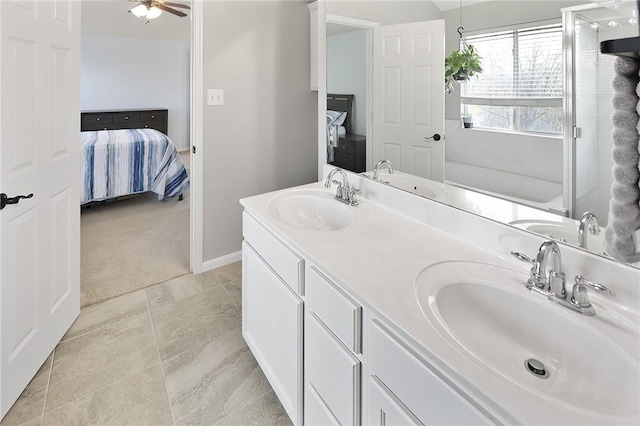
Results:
311 209
488 315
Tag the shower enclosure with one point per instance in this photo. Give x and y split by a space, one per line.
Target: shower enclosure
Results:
587 101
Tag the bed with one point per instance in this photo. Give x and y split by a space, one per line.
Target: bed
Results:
123 161
339 113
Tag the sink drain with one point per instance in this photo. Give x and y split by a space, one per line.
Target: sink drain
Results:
536 368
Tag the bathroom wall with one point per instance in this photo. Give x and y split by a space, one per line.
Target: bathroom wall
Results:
474 156
347 73
265 136
132 72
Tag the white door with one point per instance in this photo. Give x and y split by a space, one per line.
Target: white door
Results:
39 154
408 97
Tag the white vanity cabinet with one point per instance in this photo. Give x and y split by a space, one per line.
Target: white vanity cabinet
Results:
272 312
404 387
332 370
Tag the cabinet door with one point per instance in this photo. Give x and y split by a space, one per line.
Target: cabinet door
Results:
333 372
272 320
385 409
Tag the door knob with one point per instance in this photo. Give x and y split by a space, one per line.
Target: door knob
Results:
435 137
4 200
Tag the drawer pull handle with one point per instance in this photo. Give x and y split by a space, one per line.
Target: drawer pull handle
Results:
98 119
126 117
153 116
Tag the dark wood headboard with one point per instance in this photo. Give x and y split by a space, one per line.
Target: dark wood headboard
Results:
124 119
341 103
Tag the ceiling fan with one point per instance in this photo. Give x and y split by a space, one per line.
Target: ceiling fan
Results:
151 9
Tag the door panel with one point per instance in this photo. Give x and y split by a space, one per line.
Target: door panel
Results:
408 70
39 139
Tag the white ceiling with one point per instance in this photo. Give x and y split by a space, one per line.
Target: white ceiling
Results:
112 17
445 5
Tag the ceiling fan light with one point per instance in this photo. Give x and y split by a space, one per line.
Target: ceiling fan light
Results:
139 11
154 12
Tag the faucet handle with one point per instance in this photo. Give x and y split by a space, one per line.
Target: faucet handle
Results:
352 192
594 286
580 295
522 257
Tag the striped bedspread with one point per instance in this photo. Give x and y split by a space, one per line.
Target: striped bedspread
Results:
122 162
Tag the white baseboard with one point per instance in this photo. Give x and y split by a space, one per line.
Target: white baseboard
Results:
222 261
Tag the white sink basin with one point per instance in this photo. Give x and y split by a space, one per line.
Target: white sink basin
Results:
555 230
311 209
562 232
488 315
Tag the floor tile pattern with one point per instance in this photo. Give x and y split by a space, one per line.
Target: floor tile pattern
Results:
170 354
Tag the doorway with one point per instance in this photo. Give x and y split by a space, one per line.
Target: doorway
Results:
130 63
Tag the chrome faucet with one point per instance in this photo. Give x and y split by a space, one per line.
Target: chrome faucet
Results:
550 282
554 282
377 166
590 222
344 192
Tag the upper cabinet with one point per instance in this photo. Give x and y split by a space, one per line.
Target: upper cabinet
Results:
313 20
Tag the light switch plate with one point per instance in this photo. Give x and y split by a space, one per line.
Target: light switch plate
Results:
215 97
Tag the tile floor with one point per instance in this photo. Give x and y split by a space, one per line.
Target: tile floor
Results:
170 354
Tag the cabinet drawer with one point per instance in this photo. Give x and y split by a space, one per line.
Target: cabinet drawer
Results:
337 310
344 160
126 117
286 264
97 119
430 399
385 409
347 147
152 115
332 371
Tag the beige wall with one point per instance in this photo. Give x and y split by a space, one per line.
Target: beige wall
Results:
265 136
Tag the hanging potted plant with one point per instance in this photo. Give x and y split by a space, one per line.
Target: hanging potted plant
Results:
461 65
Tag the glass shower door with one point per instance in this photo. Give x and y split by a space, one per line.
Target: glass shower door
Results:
589 163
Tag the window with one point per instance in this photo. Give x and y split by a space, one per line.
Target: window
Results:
520 88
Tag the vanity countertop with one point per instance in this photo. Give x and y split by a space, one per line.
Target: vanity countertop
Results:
378 258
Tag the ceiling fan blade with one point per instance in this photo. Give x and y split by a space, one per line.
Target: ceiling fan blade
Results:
180 5
169 10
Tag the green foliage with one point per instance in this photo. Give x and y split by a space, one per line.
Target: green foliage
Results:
461 65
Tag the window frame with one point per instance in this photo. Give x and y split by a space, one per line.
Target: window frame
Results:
542 102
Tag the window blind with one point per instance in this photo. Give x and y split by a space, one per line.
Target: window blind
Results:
521 67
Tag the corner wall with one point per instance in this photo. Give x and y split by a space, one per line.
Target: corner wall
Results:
265 136
130 72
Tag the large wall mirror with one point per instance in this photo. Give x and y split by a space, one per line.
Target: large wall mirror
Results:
546 166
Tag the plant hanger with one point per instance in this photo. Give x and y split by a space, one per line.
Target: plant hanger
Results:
462 63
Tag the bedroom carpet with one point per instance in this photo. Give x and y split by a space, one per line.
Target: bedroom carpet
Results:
133 243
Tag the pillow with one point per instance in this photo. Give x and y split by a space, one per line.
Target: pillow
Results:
336 118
